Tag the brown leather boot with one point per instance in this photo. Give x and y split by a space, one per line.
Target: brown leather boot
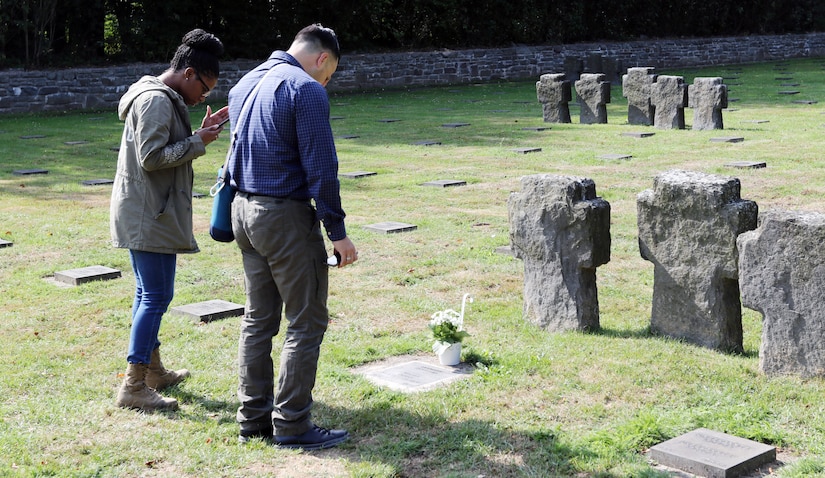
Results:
135 394
159 378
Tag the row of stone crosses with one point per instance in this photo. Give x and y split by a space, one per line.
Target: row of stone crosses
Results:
652 99
707 250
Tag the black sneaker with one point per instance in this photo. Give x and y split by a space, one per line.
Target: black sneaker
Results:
264 434
316 438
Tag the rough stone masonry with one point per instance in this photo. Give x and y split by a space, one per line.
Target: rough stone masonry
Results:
782 275
688 225
561 230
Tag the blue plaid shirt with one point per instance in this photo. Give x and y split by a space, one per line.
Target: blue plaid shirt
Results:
285 148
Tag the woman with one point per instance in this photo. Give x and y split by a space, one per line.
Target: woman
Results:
151 208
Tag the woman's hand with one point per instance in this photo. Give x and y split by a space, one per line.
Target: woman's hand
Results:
210 126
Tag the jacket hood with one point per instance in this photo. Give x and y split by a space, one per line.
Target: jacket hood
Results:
147 83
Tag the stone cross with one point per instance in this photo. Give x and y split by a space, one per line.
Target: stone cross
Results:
561 231
636 86
594 94
688 225
668 95
707 97
781 274
573 67
553 92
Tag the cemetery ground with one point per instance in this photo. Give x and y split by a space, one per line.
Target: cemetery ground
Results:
537 404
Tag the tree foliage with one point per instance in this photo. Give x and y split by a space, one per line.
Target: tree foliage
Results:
38 33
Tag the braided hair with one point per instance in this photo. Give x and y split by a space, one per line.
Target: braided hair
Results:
199 50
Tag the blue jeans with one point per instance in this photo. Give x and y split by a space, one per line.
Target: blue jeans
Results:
154 289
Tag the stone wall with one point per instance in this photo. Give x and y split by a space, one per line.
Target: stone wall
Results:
100 88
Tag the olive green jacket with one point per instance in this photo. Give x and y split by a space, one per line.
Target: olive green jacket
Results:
151 208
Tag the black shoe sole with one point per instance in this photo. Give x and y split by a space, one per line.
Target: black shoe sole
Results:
313 446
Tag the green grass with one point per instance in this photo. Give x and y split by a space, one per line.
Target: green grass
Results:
539 404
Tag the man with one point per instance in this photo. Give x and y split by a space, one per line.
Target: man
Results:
283 156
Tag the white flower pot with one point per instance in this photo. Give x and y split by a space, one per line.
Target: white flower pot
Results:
449 355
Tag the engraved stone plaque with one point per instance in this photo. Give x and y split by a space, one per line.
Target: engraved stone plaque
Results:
33 136
615 156
712 454
98 182
74 143
747 164
27 172
536 128
5 243
638 134
727 139
445 183
358 174
455 125
209 310
426 143
391 227
348 136
414 376
527 150
86 274
389 120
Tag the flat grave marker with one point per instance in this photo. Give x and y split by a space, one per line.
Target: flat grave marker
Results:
504 250
414 375
712 454
389 120
74 143
426 143
455 125
86 274
791 85
27 172
747 164
615 156
536 128
445 183
804 102
526 150
335 118
727 139
358 174
784 78
98 182
348 136
209 310
638 134
33 136
391 227
5 243
789 92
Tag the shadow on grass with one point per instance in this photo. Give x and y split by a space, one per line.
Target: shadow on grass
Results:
431 444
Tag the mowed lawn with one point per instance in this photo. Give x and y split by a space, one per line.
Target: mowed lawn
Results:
538 403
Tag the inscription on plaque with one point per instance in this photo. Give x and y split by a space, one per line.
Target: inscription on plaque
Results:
414 376
712 454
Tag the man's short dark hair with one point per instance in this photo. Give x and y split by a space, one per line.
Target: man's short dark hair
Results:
322 37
